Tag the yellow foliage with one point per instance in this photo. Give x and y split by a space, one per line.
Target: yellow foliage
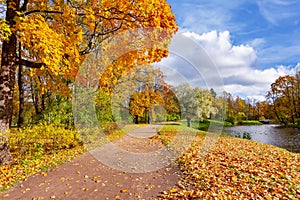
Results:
47 137
38 148
39 39
5 31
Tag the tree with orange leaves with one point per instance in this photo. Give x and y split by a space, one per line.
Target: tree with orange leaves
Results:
55 35
284 96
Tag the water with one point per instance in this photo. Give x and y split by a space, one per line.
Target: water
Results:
287 138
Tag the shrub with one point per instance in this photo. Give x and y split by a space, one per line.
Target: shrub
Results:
41 139
244 135
110 127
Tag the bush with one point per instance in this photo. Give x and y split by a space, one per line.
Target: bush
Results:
173 117
244 135
41 139
58 113
110 127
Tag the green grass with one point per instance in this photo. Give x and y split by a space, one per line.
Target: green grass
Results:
204 126
250 122
173 128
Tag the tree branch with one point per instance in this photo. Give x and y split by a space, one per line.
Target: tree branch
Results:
31 64
43 11
24 6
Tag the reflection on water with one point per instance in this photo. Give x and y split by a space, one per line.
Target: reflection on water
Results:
288 138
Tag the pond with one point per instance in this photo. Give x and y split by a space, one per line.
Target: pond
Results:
287 138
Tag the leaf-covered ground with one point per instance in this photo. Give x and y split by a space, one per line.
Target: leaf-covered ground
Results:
21 169
237 169
233 169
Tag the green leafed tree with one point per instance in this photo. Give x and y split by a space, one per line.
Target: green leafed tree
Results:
195 103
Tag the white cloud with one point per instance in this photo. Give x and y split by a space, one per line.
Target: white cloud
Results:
230 59
269 26
236 65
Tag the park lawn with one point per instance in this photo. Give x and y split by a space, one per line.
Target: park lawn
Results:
236 168
204 125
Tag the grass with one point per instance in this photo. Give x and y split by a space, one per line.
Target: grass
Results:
250 122
205 124
167 128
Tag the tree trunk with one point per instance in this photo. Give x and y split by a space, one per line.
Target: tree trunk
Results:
7 81
298 96
136 119
21 94
189 122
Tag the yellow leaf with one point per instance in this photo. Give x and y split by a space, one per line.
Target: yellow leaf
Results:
173 190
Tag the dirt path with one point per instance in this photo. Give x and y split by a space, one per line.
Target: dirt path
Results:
87 178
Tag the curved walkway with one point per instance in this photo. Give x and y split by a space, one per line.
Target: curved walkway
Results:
87 178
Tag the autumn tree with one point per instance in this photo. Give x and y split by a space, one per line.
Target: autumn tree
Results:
266 110
141 102
138 92
54 36
229 105
172 105
284 96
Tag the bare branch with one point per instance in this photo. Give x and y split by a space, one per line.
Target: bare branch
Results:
43 11
31 64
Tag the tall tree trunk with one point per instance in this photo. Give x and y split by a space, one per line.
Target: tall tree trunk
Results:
298 96
188 122
21 93
7 81
136 119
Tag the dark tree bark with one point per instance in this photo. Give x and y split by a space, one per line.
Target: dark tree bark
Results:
136 119
7 79
35 99
21 93
188 122
298 95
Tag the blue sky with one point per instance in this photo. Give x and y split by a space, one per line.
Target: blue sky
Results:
251 42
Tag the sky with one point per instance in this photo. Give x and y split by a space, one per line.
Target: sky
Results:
251 43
